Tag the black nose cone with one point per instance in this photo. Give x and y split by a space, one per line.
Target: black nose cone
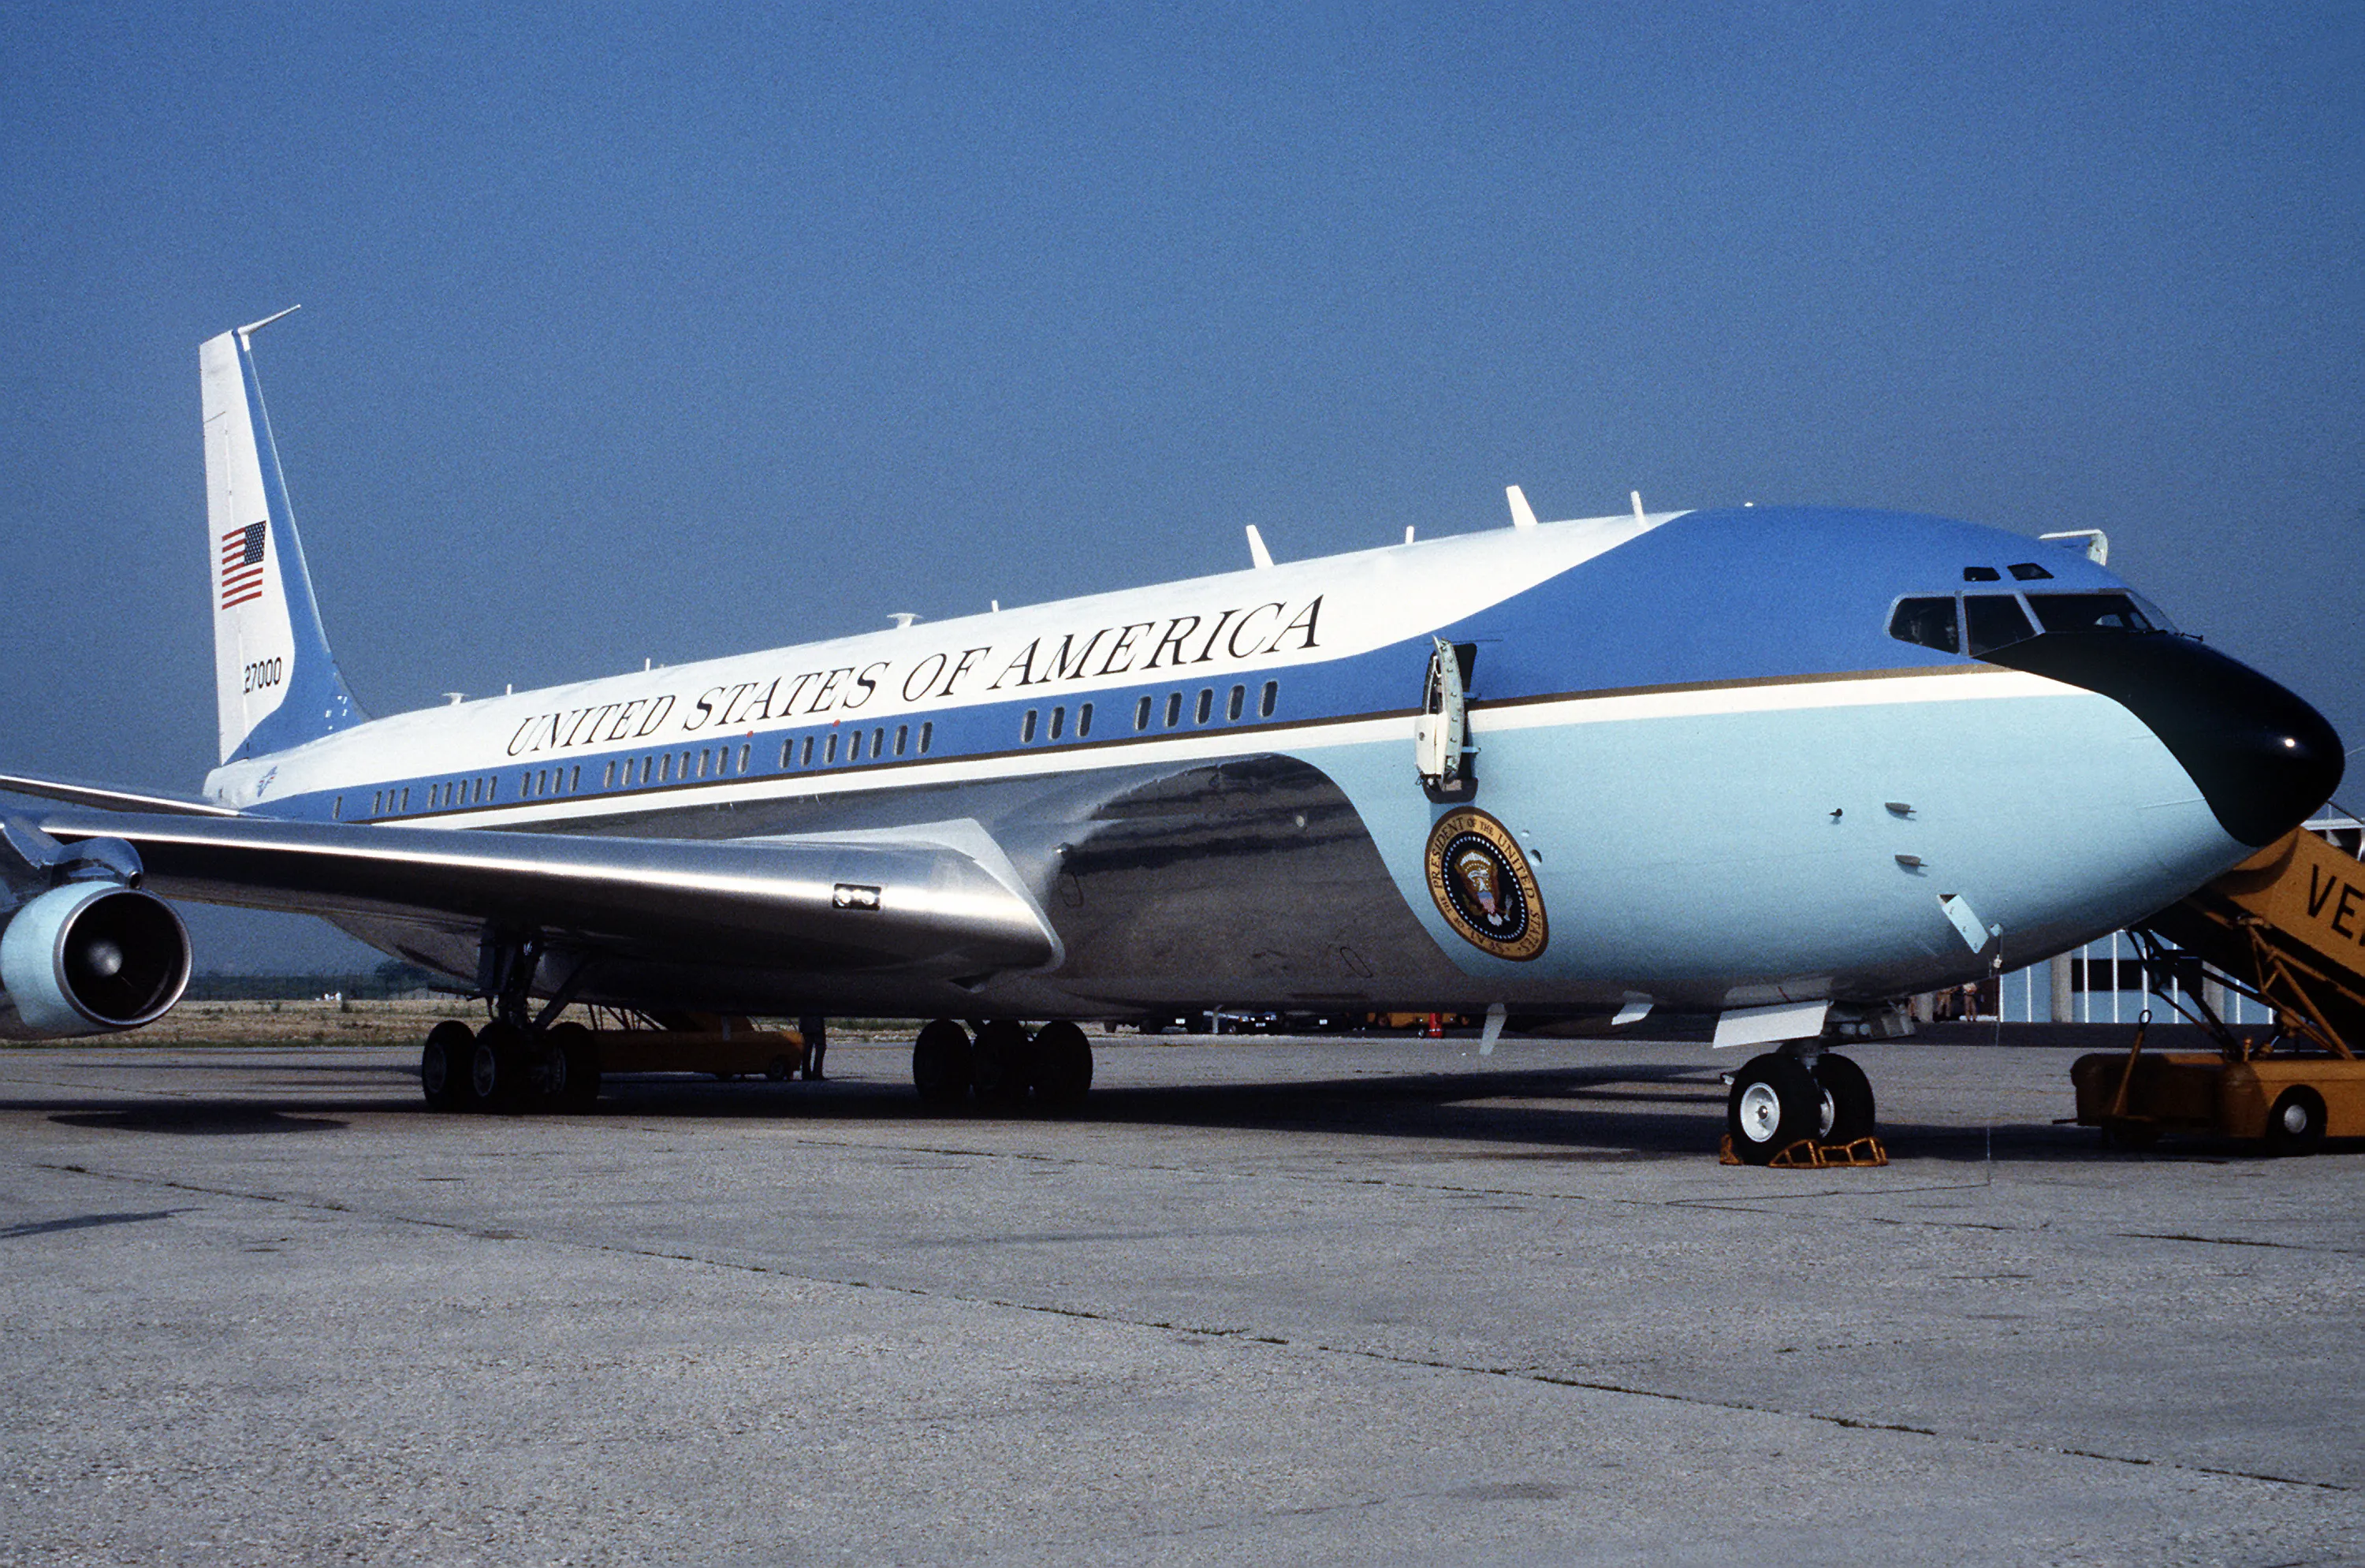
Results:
2264 759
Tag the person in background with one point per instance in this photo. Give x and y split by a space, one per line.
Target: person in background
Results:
816 1034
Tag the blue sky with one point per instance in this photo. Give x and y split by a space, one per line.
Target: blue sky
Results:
650 333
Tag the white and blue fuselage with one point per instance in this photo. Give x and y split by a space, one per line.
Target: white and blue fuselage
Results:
1732 777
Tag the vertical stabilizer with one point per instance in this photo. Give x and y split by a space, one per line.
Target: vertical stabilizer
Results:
274 683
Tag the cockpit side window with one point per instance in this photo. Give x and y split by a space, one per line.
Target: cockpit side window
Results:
1995 620
2092 613
1928 622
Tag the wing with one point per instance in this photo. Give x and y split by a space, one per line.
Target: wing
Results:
817 905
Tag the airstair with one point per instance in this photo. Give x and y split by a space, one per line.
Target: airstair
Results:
2285 928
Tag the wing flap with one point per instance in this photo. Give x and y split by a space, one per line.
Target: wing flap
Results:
820 905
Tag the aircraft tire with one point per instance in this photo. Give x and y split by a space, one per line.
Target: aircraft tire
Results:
1003 1064
571 1066
1063 1068
942 1065
2295 1124
444 1064
499 1070
1851 1098
1774 1102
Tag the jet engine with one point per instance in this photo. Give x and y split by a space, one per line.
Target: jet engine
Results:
82 950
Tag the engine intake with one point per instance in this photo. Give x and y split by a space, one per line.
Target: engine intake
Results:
88 958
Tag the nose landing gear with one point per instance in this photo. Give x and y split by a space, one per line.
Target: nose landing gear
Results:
1790 1109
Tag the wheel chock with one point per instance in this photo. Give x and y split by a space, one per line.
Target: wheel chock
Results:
1806 1154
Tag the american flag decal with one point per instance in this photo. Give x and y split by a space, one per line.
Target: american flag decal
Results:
241 564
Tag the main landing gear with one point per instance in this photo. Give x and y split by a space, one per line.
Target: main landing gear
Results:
1002 1065
505 1068
1788 1097
518 1061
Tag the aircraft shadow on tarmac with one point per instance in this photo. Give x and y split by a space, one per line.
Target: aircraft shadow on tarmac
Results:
199 1118
1560 1114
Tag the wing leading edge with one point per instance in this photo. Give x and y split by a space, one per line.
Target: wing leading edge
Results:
822 906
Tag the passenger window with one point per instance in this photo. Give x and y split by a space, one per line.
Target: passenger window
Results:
1238 702
1206 705
808 750
1058 722
903 736
829 752
665 774
1174 709
1141 713
789 752
378 802
1995 621
406 797
574 780
878 741
2028 572
2090 613
703 757
1083 721
493 787
1026 728
1981 575
1265 702
1928 622
337 809
927 734
608 779
542 783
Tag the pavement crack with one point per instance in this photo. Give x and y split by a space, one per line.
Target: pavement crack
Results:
2234 1241
1246 1336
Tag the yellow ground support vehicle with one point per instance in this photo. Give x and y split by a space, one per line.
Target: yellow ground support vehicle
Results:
2286 927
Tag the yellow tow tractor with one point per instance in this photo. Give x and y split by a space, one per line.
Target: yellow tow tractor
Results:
2286 928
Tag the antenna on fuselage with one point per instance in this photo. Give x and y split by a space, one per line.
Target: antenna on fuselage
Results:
1257 554
1636 497
2098 543
903 618
1522 514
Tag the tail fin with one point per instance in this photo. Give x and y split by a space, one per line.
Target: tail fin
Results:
274 682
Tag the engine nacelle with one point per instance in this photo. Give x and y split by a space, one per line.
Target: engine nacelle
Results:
89 959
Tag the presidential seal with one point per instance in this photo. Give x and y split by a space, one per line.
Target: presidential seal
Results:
1483 886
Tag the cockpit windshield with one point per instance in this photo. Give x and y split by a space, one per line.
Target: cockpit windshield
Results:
2095 612
1928 622
1978 624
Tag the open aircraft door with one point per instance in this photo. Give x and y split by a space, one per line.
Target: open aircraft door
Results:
1442 751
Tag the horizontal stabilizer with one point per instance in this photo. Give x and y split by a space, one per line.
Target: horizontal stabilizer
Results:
106 799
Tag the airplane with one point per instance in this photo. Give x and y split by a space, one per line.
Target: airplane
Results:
1783 764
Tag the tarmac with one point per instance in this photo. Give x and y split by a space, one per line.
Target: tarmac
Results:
1273 1301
